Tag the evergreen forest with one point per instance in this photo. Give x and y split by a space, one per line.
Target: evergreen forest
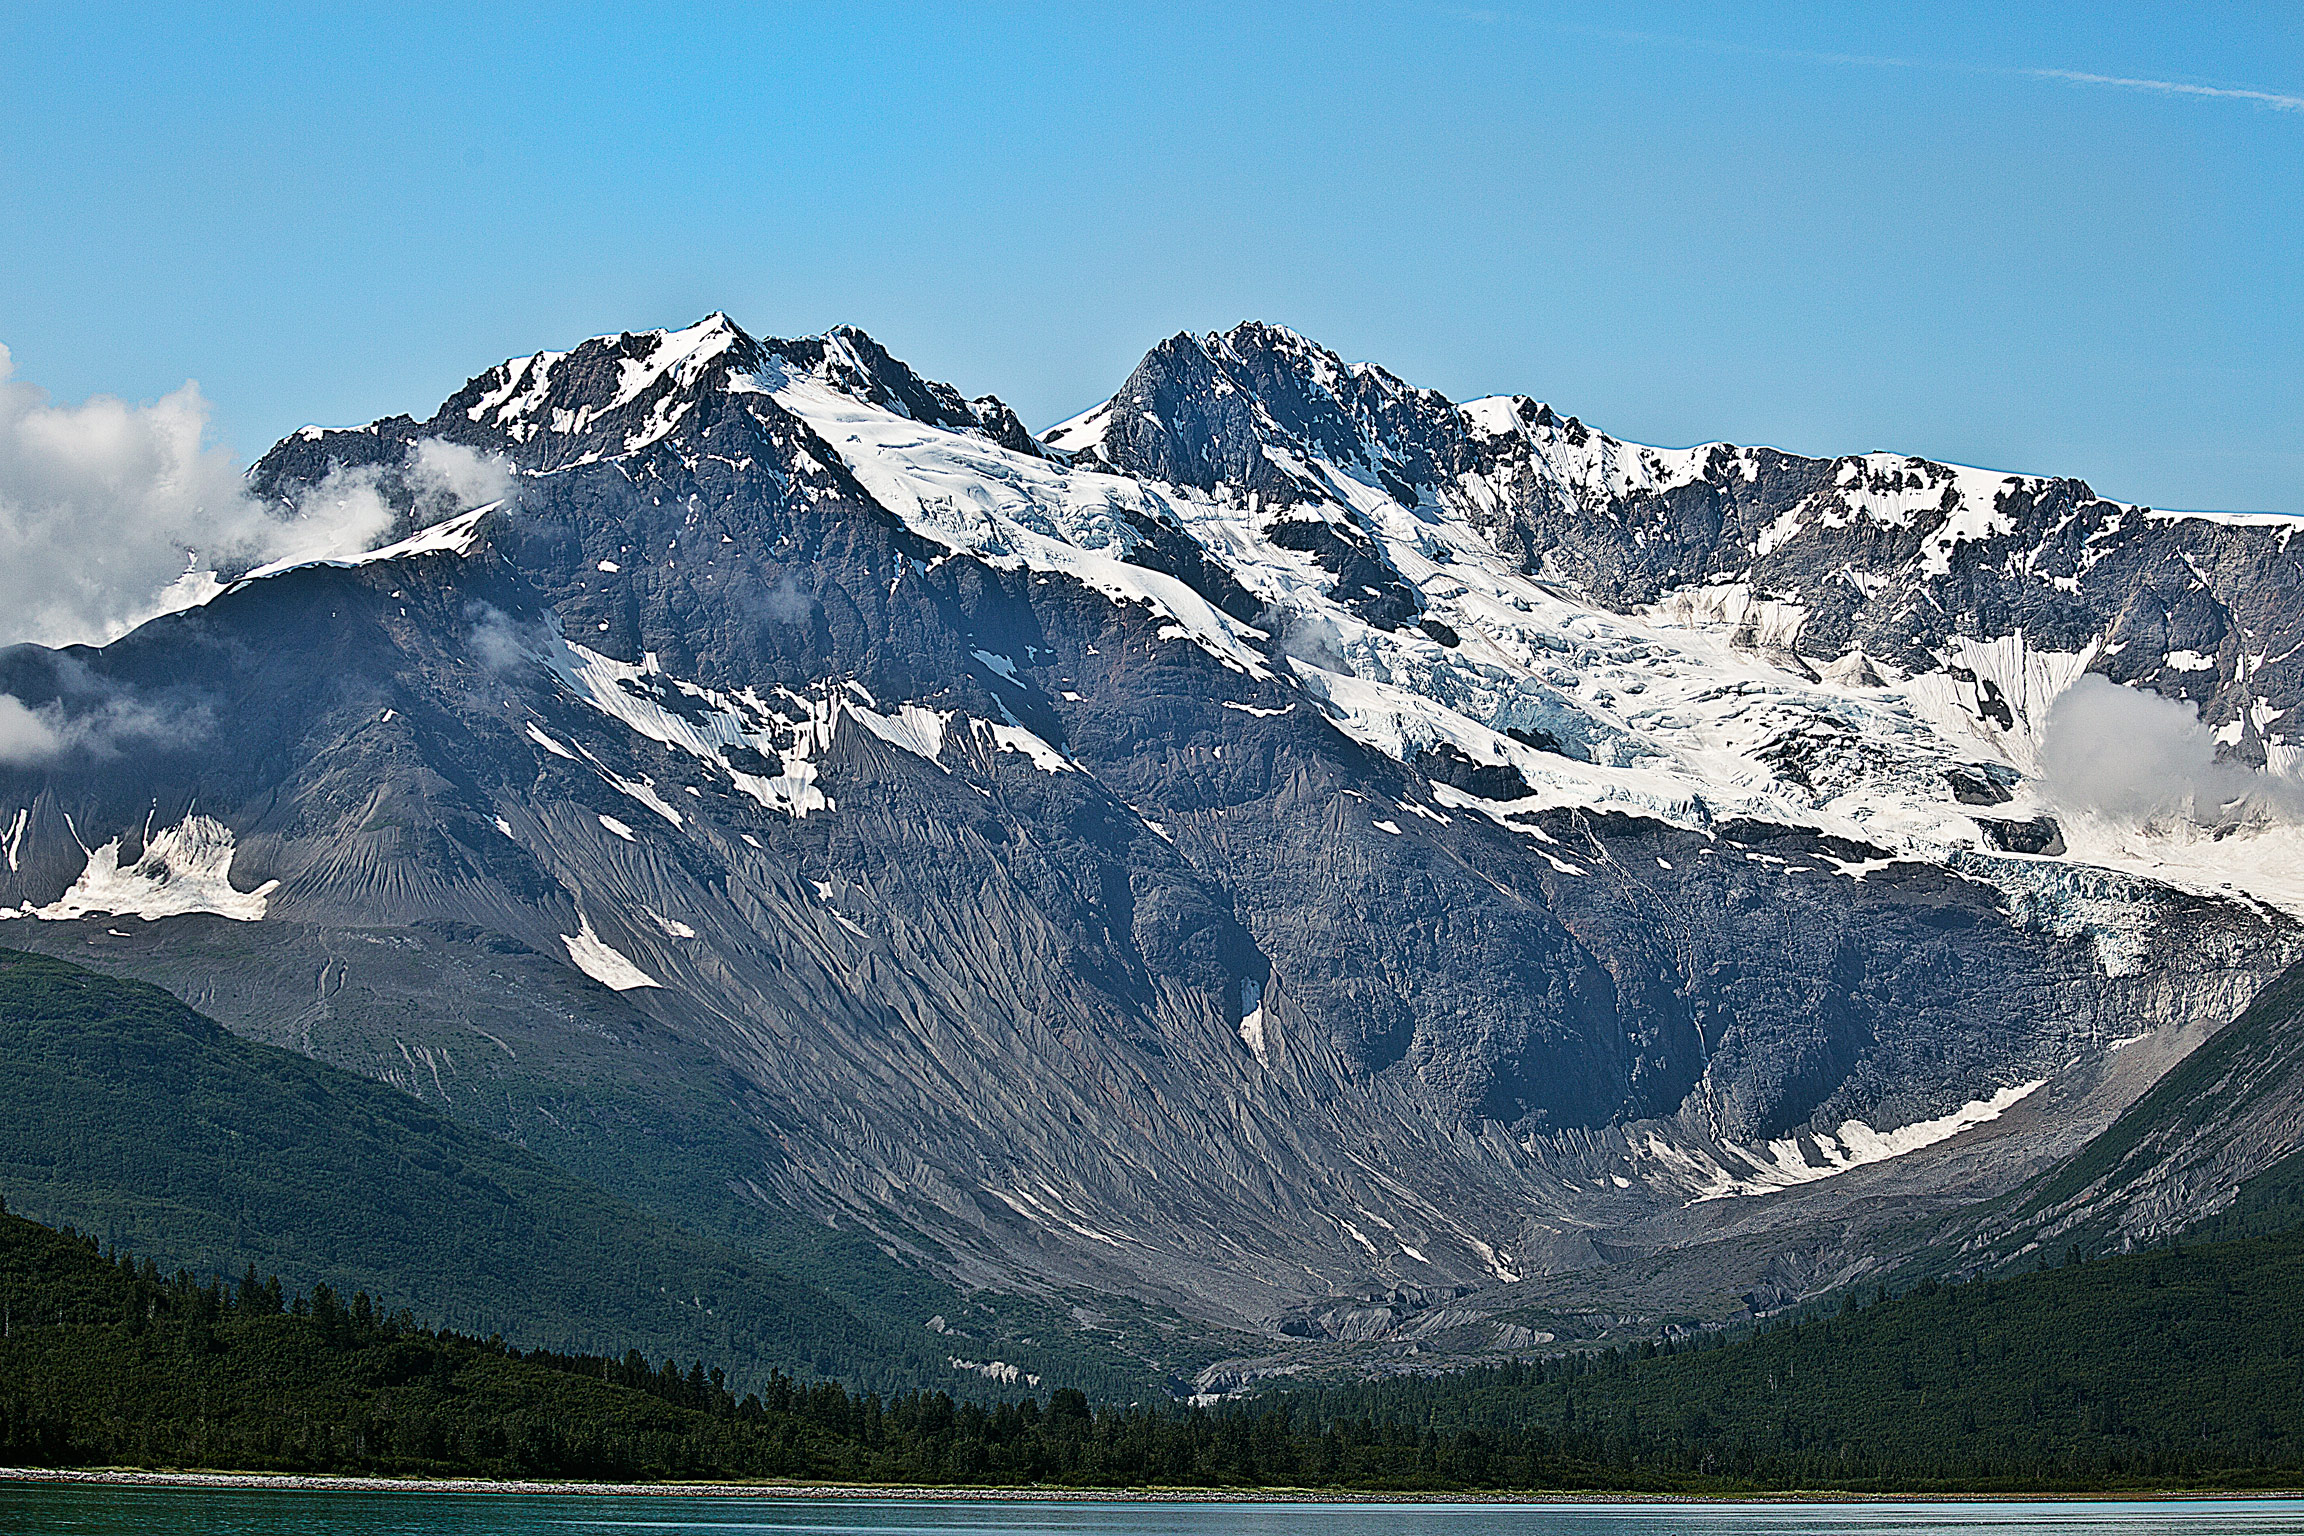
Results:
2178 1367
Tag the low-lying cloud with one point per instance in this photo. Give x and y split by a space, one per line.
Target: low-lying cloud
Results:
112 512
503 644
90 717
27 736
785 603
449 477
1309 636
2136 756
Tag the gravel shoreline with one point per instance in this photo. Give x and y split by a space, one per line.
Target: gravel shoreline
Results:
290 1482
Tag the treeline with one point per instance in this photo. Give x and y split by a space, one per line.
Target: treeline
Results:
2177 1367
105 1360
2180 1365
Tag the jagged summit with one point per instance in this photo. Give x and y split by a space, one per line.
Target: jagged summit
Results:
613 396
1330 513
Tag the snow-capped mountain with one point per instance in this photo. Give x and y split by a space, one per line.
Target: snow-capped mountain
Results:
1871 645
1283 843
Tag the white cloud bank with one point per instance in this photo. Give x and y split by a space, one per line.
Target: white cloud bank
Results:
112 512
94 722
2138 757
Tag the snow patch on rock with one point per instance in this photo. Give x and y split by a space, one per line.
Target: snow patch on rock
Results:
184 869
1783 1163
913 728
596 958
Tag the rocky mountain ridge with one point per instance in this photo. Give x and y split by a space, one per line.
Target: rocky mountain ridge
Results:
1278 840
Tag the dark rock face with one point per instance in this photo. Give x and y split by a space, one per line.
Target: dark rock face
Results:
1448 764
1042 903
2040 835
1977 786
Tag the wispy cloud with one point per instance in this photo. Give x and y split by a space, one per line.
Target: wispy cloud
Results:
2272 99
2275 101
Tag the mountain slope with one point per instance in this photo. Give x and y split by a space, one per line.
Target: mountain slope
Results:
128 1115
2228 1117
1250 852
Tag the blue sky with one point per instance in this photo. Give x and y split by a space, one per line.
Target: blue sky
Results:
1814 226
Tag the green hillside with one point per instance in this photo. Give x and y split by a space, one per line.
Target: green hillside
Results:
2270 1203
672 1153
2178 1368
2174 1365
107 1361
125 1114
2237 1089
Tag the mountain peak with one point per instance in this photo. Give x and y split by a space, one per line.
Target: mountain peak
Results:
848 360
615 395
1253 338
1557 818
563 393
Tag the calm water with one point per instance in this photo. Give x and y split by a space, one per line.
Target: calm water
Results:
35 1510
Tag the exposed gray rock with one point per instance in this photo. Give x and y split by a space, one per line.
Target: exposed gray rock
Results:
831 816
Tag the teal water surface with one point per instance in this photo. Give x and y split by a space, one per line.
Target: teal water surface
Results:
38 1509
